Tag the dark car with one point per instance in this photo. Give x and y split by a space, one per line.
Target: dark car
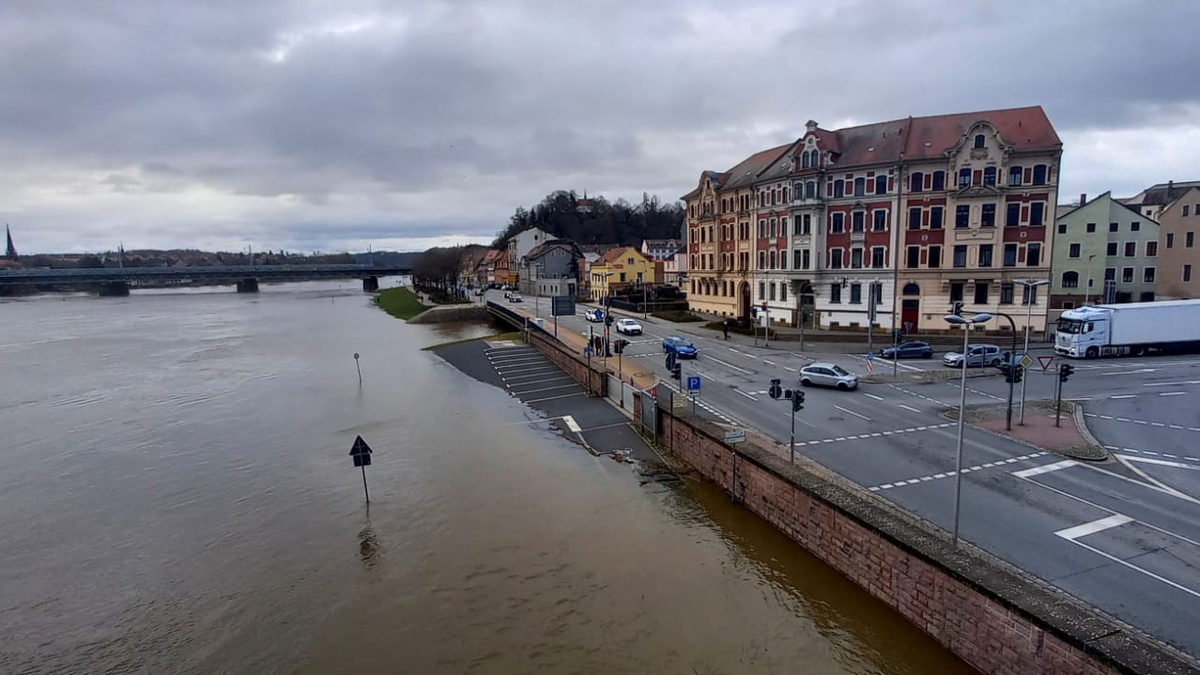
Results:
909 350
682 348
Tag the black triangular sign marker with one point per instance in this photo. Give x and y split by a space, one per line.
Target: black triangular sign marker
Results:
360 447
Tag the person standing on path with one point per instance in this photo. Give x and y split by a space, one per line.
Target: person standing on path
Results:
725 327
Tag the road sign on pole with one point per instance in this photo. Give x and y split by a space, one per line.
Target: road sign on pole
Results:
1045 361
361 452
735 436
693 383
1027 360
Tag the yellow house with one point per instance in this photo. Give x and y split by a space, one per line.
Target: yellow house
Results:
619 267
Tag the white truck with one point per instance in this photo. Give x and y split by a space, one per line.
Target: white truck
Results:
1129 329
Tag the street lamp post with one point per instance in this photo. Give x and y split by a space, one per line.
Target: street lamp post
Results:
966 323
537 290
1029 285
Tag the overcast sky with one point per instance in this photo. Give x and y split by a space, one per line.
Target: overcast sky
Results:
314 125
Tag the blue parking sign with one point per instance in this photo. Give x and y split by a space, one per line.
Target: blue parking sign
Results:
693 383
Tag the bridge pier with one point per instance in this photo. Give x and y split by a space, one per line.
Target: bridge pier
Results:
370 284
113 289
247 286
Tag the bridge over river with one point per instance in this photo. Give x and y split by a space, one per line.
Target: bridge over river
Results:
118 280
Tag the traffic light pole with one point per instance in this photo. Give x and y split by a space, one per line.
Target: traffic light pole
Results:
1058 402
792 442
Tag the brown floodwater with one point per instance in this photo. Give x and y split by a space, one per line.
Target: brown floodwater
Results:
176 496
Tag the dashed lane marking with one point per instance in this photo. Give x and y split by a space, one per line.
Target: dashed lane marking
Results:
913 393
877 398
1124 396
1151 453
1111 418
851 412
947 474
789 368
769 363
908 408
1173 393
876 434
976 391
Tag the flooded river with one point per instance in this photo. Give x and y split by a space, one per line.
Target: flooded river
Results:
176 496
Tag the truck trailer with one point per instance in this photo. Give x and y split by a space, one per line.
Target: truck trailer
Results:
1134 329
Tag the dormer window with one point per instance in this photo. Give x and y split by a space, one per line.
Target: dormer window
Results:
980 141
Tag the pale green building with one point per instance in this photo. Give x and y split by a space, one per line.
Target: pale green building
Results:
1104 252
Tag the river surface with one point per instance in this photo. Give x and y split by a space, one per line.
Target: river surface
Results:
176 496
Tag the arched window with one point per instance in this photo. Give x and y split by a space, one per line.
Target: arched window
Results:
980 141
881 185
774 259
1039 174
917 181
912 289
810 189
839 188
1070 280
816 159
939 180
989 175
804 160
1014 175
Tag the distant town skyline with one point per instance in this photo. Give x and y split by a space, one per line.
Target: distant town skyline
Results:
406 125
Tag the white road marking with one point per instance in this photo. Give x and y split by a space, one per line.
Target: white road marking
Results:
789 368
947 474
736 351
1161 462
730 365
554 398
572 424
1170 384
1073 533
1173 393
1079 398
1045 468
537 391
909 408
769 363
752 398
1135 568
1125 396
877 398
851 412
512 378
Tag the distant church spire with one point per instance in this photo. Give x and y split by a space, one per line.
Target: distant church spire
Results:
11 251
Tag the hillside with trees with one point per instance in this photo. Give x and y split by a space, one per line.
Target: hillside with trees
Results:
595 220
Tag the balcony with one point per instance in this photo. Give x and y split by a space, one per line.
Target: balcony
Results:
858 235
808 201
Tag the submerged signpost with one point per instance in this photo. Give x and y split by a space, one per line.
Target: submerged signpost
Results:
361 452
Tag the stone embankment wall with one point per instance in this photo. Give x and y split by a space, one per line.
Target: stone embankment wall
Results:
575 365
995 617
451 313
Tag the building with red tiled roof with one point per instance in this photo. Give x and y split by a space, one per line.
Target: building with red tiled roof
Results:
896 220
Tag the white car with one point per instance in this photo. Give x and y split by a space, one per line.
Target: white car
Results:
629 327
828 375
594 315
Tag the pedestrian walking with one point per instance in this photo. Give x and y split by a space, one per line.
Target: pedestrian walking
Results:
725 327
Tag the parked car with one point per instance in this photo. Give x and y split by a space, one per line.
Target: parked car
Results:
977 357
683 348
515 297
909 350
629 327
594 315
828 375
508 295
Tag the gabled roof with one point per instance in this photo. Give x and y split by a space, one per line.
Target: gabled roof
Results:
545 247
598 249
620 252
1161 194
1027 129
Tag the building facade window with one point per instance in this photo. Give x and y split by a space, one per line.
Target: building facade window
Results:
1114 227
935 256
1148 275
835 258
1130 249
1010 255
979 141
837 223
989 175
914 218
877 257
1036 212
1006 293
917 182
981 292
1062 228
1127 275
1187 273
860 186
1135 226
964 177
856 294
1014 176
1012 215
939 180
1111 249
956 290
1039 174
839 188
880 217
1091 228
1073 250
1189 239
985 255
935 217
835 294
962 215
881 185
858 221
913 257
988 218
1033 255
960 256
856 258
1151 249
1070 279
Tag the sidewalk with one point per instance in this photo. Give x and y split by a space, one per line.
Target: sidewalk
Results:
1071 439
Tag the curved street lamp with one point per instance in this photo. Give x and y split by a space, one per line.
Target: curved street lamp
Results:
966 323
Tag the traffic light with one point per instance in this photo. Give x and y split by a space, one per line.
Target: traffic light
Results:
797 400
775 390
620 345
1014 374
1065 371
608 320
957 310
753 312
676 371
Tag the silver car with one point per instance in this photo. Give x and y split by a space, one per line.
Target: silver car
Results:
828 375
977 357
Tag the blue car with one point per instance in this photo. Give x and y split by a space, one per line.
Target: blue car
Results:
682 348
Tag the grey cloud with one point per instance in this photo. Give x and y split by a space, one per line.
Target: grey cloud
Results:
438 105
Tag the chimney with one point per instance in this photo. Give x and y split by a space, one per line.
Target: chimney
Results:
1170 189
1082 198
811 126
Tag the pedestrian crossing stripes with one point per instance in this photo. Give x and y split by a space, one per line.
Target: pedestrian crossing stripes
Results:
948 474
1145 423
876 434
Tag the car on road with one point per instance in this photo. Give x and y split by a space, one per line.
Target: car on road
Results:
978 356
628 327
828 375
909 350
594 315
515 297
682 348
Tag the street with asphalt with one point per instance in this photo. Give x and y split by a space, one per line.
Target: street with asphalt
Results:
1122 534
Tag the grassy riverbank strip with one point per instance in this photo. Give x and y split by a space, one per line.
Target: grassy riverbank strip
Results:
400 302
514 336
